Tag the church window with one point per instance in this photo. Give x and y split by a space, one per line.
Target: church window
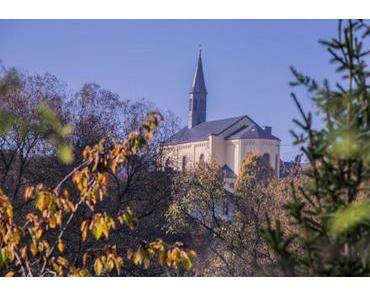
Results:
225 208
184 163
201 159
266 157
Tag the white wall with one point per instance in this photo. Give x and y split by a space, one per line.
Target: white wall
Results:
262 146
192 151
230 152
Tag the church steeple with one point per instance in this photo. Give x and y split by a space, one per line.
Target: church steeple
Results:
198 96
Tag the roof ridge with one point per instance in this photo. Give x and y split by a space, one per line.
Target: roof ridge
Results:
224 119
239 119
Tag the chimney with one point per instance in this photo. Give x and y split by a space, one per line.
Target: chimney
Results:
268 130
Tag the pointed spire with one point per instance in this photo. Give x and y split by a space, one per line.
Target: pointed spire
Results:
198 85
198 97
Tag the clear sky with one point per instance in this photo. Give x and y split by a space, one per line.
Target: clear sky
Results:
246 62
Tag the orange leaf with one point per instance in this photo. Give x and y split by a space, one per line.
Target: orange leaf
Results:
60 246
10 274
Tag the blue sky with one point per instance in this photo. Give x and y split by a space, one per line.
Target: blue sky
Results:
246 62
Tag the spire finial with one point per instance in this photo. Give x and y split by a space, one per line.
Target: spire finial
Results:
200 49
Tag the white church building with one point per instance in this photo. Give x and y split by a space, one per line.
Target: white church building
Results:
226 141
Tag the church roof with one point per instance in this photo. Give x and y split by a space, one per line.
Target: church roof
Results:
253 131
201 131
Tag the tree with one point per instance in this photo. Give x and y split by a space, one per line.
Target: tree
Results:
36 245
74 223
254 200
228 224
330 210
195 214
32 125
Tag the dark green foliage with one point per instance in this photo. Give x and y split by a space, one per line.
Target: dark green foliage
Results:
331 217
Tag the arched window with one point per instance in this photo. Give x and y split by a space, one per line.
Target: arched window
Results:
201 159
225 208
266 157
167 163
184 163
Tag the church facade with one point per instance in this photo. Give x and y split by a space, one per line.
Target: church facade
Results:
226 141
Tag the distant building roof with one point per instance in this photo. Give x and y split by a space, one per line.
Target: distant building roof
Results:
203 130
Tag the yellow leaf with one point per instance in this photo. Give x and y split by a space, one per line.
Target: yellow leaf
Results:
63 262
46 245
110 265
105 229
119 263
16 236
38 233
24 253
98 267
60 246
78 272
169 258
33 248
41 201
84 228
138 257
52 222
98 231
185 261
9 211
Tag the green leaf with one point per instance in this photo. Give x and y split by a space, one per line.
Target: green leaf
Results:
6 121
65 154
47 114
349 217
3 257
66 130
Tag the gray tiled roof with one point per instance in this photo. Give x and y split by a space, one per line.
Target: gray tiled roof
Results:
251 132
203 130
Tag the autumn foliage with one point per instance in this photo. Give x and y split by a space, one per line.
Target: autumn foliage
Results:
35 244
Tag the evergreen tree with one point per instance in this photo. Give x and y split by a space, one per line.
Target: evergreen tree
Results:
331 211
